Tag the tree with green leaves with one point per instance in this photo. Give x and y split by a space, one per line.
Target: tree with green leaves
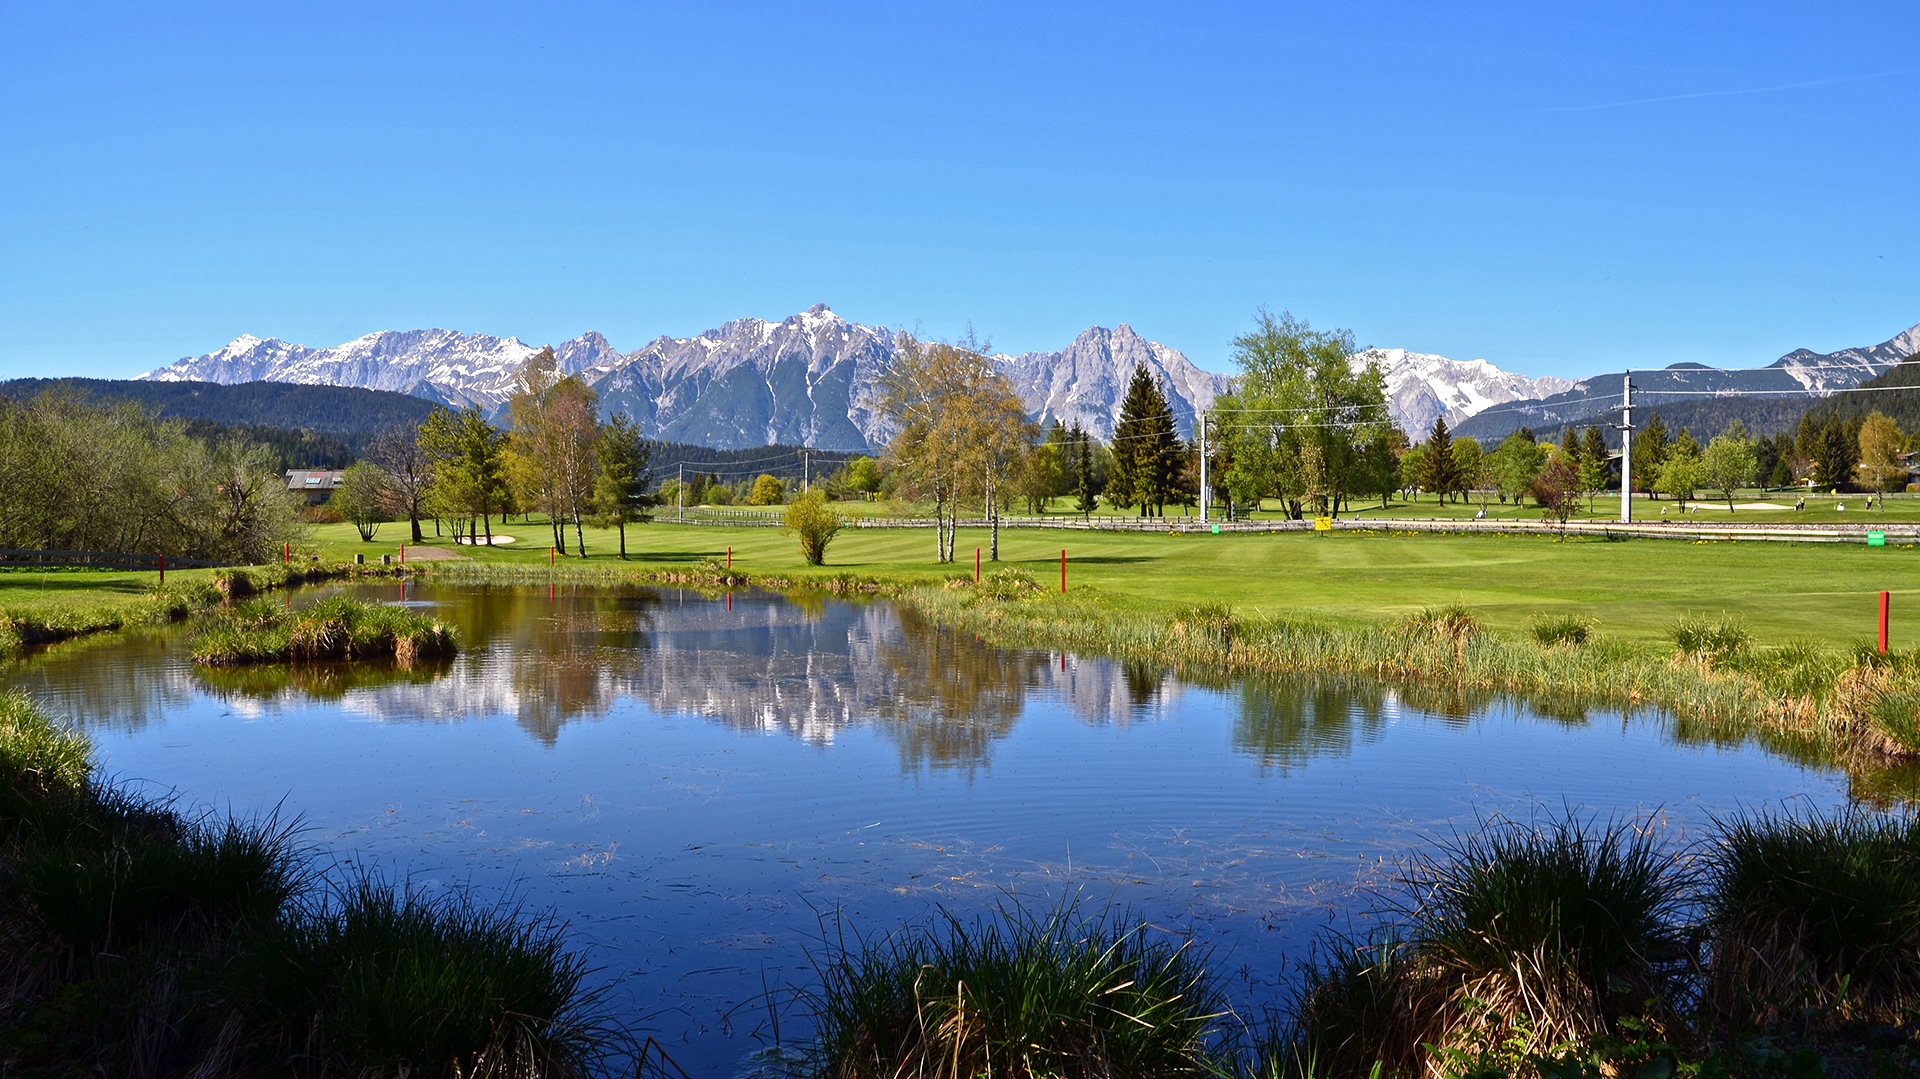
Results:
361 498
469 464
1727 464
815 523
1304 406
1881 443
1594 472
1515 464
863 475
1469 469
1680 473
620 485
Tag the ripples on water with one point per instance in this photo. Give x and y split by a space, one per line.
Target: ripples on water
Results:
700 784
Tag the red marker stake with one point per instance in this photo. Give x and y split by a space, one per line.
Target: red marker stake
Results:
976 565
549 554
729 565
1886 600
163 569
1063 571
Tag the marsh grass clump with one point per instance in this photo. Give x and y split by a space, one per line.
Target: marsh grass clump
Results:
1710 641
1454 625
1552 934
333 629
39 759
1020 995
1560 629
1814 918
405 983
1351 1015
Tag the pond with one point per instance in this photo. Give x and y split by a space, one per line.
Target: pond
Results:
701 785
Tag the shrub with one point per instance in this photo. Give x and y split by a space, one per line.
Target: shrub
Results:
816 523
1557 933
767 491
1551 630
1709 641
1809 913
1009 583
1020 995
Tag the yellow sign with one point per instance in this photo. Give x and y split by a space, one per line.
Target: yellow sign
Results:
1323 524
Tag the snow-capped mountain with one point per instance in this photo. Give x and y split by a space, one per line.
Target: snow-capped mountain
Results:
804 380
1086 381
1422 387
1801 374
442 365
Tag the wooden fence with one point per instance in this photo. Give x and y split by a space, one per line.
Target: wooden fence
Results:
1658 529
13 556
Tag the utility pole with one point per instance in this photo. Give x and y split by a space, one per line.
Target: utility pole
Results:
1203 468
1626 450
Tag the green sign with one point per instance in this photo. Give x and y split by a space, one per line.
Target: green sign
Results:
1216 530
1876 539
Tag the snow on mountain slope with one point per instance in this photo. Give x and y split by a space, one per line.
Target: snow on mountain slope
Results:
806 379
1085 382
1824 372
1422 387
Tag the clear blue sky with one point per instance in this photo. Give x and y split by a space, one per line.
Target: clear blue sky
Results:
1560 188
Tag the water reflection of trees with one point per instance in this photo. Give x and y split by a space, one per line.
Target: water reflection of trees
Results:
120 681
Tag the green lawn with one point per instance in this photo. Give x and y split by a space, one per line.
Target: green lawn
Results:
24 591
1636 589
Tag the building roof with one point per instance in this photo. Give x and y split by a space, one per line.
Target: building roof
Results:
313 479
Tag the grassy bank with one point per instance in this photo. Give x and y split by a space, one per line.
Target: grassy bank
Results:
44 606
140 941
333 629
1783 593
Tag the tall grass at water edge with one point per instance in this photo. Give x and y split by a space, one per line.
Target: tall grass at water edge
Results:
333 629
1022 994
138 941
1713 682
22 627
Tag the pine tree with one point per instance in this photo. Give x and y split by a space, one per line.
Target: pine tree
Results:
1145 448
1438 474
1082 469
1649 453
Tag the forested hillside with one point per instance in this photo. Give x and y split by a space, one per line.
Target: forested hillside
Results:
352 414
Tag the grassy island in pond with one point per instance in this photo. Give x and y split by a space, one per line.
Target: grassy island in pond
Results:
333 629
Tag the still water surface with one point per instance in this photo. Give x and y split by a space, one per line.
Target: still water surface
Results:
695 783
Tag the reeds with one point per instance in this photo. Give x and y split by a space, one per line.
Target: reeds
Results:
1020 995
333 629
1814 919
136 941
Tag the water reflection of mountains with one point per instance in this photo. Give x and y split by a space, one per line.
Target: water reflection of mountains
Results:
765 664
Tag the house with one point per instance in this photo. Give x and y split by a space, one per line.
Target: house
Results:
316 483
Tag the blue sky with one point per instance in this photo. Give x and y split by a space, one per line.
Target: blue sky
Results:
1561 188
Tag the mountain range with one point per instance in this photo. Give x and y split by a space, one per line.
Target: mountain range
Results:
1681 390
806 380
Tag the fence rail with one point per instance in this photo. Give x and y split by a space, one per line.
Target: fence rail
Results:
11 556
1660 529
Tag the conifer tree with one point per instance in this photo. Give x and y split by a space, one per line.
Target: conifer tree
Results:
1145 448
1438 472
